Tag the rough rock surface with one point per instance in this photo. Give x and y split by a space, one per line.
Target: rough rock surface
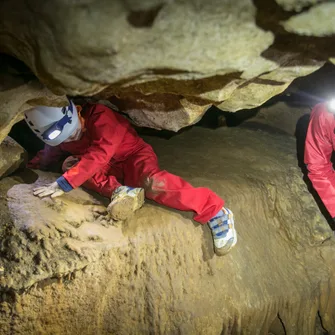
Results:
185 54
87 52
161 111
12 155
322 16
20 91
277 117
66 273
296 5
289 112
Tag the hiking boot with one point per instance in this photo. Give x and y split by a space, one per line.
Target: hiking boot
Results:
124 202
223 231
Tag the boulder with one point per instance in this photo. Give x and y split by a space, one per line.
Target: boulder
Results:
161 111
12 155
67 272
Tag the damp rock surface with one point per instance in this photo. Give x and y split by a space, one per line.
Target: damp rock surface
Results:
12 155
296 5
19 92
167 61
66 271
278 117
88 52
323 15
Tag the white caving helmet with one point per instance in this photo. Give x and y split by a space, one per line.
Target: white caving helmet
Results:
53 125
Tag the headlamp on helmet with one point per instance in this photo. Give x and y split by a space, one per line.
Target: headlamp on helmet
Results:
56 129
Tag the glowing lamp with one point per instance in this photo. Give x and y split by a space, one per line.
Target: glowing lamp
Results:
331 105
54 134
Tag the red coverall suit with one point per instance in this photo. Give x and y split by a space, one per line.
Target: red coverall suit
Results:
110 152
319 145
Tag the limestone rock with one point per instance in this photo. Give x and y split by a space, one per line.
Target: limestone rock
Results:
20 91
277 117
185 53
266 86
322 17
65 272
15 101
12 155
186 39
173 111
296 5
161 111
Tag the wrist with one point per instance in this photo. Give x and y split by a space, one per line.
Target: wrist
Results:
64 184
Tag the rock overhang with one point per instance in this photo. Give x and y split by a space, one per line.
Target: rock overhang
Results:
187 57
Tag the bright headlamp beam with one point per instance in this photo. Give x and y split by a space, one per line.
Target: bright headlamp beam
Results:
54 134
331 105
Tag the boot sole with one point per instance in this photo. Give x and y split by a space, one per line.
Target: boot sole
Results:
123 208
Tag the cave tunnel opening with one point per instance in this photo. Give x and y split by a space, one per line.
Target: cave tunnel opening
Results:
286 113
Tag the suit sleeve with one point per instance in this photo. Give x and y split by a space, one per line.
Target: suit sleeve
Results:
107 135
46 157
318 151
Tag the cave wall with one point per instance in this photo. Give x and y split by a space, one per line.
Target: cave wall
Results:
168 61
20 90
63 270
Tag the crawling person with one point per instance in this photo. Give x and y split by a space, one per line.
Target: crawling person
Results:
102 150
319 148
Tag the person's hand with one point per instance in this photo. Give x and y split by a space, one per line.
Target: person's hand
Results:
53 190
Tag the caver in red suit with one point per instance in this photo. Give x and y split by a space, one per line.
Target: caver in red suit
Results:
319 146
111 152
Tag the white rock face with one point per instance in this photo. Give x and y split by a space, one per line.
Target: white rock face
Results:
296 5
98 44
322 18
167 60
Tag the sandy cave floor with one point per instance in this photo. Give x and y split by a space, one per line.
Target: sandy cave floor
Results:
157 272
